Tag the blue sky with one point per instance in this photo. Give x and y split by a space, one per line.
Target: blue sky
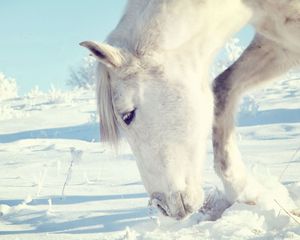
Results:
39 38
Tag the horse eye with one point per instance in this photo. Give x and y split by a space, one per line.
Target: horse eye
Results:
128 117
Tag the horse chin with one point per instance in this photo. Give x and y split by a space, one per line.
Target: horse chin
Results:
176 205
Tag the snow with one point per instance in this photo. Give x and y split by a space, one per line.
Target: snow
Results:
57 181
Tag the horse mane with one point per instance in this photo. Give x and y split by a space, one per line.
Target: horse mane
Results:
109 130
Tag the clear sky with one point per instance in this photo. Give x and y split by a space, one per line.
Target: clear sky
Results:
39 38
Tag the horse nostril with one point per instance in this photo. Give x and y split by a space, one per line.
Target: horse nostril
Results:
185 207
162 210
159 201
185 204
176 206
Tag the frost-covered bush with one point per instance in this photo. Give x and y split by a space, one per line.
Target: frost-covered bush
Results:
232 50
8 88
83 76
249 106
38 98
58 96
35 93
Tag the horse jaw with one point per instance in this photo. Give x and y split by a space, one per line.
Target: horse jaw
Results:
172 167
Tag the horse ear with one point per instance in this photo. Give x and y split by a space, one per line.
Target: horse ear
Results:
110 56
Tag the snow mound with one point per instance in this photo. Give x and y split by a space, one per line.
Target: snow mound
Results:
266 219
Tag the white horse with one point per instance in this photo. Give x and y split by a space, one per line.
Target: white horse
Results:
154 86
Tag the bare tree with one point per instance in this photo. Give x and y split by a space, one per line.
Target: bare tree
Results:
84 75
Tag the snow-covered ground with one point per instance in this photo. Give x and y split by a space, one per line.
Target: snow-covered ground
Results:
57 181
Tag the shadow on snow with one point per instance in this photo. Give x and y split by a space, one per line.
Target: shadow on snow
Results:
269 117
86 132
74 199
109 221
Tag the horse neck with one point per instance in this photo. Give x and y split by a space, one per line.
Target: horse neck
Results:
194 29
224 19
167 24
215 21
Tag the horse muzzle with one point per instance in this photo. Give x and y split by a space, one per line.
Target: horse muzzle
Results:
174 205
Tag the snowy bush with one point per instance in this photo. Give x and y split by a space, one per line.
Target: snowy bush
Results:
8 87
249 106
84 75
58 96
232 50
35 93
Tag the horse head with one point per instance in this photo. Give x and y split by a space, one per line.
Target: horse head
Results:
165 113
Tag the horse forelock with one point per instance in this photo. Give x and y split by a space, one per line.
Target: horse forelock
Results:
109 131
